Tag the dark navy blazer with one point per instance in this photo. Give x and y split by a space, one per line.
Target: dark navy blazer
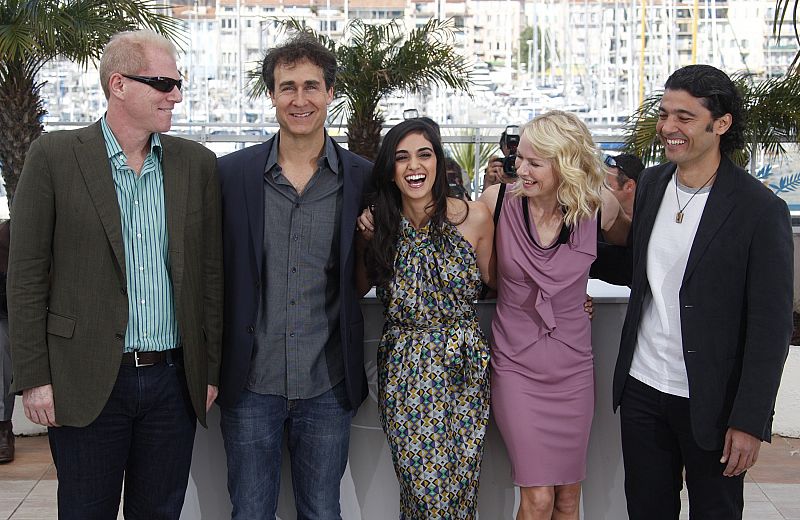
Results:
242 179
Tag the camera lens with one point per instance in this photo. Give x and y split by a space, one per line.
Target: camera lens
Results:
509 165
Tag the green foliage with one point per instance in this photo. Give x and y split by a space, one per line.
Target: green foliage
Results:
781 8
772 109
541 44
377 60
524 46
34 32
641 139
464 154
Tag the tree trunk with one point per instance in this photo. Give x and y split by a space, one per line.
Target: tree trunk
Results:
364 134
21 113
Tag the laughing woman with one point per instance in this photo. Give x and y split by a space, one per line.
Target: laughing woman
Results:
428 255
542 365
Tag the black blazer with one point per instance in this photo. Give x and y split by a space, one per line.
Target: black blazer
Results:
242 180
735 299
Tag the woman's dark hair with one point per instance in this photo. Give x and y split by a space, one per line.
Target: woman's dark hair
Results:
455 179
380 253
718 94
303 46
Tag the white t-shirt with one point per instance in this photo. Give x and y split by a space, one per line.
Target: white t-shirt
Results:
658 357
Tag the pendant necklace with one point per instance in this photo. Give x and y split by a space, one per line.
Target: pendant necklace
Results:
679 214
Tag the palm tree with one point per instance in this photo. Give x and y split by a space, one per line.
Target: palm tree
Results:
376 60
781 8
771 109
465 153
34 32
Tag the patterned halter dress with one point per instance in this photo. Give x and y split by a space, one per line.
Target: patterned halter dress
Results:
433 380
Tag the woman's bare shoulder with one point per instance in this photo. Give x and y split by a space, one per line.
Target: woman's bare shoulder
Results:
479 213
489 198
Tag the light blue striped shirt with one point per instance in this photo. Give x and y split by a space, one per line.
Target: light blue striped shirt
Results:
152 324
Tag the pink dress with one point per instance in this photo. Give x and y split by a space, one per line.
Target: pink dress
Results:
542 367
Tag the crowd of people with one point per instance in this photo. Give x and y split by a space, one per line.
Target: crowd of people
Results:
123 333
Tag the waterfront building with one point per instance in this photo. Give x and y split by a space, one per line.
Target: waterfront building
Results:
596 57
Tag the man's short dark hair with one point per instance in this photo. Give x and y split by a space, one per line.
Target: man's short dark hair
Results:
718 94
432 123
303 46
502 141
629 167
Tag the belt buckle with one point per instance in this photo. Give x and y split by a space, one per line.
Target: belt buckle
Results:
136 361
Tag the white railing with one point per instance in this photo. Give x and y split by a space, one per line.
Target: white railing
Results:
223 138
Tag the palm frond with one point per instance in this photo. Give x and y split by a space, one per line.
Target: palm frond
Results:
376 60
464 154
773 110
641 139
786 183
764 172
76 30
781 8
34 32
254 86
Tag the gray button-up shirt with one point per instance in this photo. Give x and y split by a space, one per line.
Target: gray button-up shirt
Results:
297 351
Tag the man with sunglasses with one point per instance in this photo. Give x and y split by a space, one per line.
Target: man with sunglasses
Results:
622 174
115 292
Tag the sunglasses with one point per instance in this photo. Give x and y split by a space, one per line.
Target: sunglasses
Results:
160 83
611 162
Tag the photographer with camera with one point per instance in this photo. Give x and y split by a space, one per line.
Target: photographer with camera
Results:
493 172
501 169
509 141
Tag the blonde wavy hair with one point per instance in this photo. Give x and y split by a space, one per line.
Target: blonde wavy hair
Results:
564 140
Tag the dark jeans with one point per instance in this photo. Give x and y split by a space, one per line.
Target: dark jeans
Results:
144 434
6 398
657 446
318 432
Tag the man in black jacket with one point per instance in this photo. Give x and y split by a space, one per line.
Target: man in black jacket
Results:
710 313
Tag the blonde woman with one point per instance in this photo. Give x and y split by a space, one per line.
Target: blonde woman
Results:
542 369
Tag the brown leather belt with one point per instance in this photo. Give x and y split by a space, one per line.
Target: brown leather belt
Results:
150 358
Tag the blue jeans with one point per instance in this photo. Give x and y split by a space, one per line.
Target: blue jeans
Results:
318 432
144 435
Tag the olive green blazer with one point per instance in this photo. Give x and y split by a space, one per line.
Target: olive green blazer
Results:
67 296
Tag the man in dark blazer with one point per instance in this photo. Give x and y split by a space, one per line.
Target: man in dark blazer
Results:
710 312
293 337
115 292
